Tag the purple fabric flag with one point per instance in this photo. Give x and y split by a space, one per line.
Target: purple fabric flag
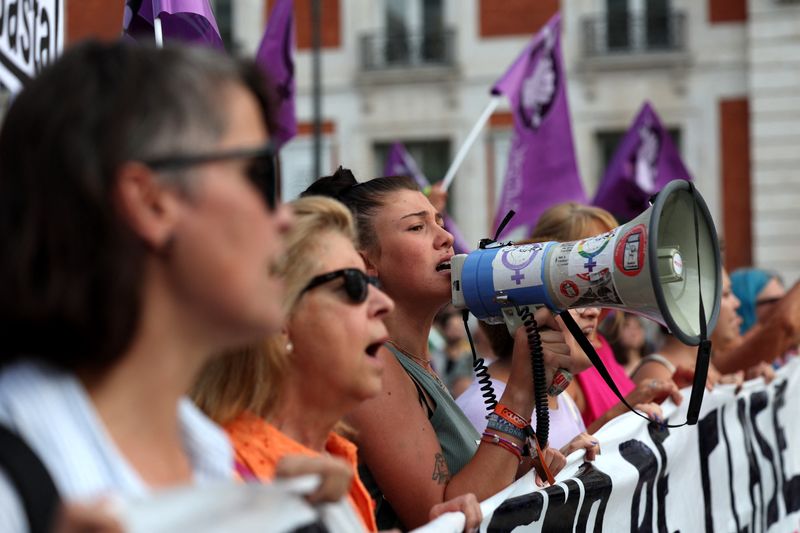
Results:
400 163
645 161
188 21
275 59
541 170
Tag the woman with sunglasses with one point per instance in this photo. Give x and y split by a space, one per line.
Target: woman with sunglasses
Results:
288 395
416 446
125 268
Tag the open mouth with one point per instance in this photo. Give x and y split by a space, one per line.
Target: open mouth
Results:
444 265
372 349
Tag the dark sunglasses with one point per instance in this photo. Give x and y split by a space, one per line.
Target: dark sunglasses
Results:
260 170
356 283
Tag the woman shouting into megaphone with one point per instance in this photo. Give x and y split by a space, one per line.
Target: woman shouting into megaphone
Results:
416 446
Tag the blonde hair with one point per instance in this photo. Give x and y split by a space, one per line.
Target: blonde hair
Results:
571 221
251 379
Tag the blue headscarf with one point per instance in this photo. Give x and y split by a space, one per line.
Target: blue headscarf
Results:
746 284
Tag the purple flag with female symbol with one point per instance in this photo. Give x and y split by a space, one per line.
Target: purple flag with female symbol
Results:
274 56
188 21
646 160
541 170
400 163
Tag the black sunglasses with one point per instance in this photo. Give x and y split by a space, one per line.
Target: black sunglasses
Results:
260 170
355 283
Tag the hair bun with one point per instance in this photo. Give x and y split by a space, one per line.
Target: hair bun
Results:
334 186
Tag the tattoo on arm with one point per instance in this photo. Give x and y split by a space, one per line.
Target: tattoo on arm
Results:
441 474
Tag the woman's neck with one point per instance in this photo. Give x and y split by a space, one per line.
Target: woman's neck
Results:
137 397
306 416
409 327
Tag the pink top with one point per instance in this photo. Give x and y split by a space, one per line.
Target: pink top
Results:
598 396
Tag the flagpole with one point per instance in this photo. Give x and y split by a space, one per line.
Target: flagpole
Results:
159 33
469 141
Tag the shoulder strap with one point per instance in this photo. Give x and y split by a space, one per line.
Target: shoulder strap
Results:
29 476
421 397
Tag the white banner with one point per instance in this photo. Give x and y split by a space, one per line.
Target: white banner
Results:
738 469
31 37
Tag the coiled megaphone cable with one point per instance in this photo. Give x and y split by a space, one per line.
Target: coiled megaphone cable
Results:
539 376
481 370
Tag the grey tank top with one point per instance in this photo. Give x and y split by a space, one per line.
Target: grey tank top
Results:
457 436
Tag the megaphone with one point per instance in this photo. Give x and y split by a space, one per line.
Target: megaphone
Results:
658 265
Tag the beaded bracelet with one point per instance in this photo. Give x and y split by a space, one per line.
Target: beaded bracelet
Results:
505 413
507 445
502 425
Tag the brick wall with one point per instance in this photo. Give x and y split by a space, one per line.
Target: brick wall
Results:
734 125
331 25
514 17
307 128
727 11
98 19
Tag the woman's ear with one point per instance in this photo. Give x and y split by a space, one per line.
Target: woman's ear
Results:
149 208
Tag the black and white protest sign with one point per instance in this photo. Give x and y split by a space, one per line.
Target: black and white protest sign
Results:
738 469
31 37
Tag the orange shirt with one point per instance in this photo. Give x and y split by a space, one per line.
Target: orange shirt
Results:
259 446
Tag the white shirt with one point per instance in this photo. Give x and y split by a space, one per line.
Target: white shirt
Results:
565 422
52 412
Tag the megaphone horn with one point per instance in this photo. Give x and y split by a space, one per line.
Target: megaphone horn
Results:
658 265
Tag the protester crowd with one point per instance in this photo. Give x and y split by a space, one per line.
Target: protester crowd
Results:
166 321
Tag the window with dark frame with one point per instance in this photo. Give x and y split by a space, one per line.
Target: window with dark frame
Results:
432 157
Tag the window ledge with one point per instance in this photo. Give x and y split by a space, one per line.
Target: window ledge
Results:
634 61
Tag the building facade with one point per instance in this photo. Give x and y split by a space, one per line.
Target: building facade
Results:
722 74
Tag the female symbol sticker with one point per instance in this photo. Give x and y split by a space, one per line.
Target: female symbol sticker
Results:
590 248
513 268
592 255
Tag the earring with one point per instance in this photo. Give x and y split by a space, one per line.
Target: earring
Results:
289 347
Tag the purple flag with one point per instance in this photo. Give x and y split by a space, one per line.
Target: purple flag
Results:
541 162
188 21
275 59
645 161
400 163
